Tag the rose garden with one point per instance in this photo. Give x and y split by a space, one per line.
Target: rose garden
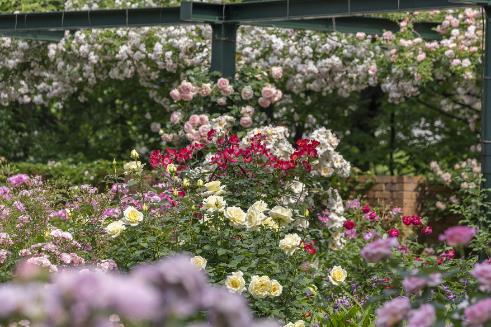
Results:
139 187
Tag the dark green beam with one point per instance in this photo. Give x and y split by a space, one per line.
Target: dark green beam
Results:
91 19
486 106
223 49
369 25
283 10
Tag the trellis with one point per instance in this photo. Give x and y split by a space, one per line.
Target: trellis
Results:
320 15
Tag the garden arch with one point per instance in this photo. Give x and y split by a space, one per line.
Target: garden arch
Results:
224 19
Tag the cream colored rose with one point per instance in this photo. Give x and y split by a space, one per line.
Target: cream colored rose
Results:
115 228
298 323
132 216
282 215
276 288
254 218
214 203
337 275
290 243
235 282
199 262
271 224
338 241
134 155
260 206
260 286
171 168
236 215
133 167
213 188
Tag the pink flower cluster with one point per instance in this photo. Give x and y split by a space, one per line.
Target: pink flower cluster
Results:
482 272
18 180
269 96
197 128
479 313
458 235
393 312
185 91
379 249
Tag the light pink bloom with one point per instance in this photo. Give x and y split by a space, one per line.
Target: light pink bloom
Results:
175 117
482 272
223 83
379 249
479 313
393 312
424 316
246 121
277 72
194 120
247 93
175 95
264 103
458 235
268 92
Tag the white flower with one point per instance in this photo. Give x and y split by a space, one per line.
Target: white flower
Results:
337 275
236 215
281 215
260 205
132 216
298 323
235 282
213 188
199 262
214 203
276 288
290 243
115 228
254 217
133 167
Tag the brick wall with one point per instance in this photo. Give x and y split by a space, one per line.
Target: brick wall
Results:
395 191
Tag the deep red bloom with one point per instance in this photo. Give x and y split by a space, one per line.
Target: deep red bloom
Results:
393 232
372 215
349 224
309 247
366 208
416 220
210 134
406 220
448 254
307 166
427 230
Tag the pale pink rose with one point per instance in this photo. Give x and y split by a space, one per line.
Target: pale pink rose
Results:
175 95
458 235
360 36
203 119
247 93
227 91
175 117
187 96
194 120
246 121
188 127
372 70
186 87
205 90
268 92
203 130
167 138
247 111
264 103
223 83
421 56
277 96
277 72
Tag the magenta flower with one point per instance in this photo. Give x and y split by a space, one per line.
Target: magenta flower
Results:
18 179
379 249
424 316
458 235
478 313
482 272
392 312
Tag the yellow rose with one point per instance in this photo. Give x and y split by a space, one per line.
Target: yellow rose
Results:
133 167
290 243
186 183
235 282
260 206
134 155
199 262
337 275
214 203
199 183
132 216
213 188
254 218
115 228
282 215
236 215
298 323
271 224
276 288
260 287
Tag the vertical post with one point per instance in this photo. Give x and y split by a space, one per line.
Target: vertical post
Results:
486 104
223 48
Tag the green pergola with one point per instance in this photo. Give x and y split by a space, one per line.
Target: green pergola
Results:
320 15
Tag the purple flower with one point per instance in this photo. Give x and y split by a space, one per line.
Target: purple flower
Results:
379 249
5 193
413 284
478 313
18 179
3 255
227 309
458 235
353 204
393 312
482 272
424 316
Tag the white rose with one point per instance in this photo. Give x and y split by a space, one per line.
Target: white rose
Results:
214 203
115 228
281 215
254 218
290 243
132 216
337 275
235 282
199 262
236 215
213 188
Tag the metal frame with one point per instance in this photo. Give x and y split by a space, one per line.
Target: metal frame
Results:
319 15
